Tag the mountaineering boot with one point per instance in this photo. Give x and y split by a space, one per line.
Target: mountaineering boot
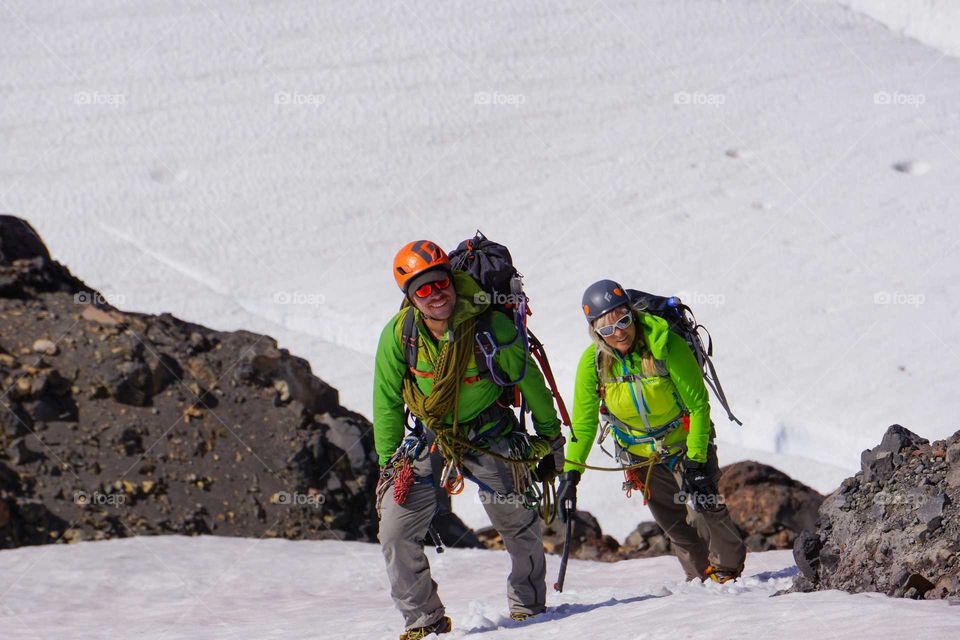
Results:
721 575
522 616
443 625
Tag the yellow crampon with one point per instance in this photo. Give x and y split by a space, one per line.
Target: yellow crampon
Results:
443 625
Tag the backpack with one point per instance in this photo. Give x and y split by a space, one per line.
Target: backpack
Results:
681 320
491 265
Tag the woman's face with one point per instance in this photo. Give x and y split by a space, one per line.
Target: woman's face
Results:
622 339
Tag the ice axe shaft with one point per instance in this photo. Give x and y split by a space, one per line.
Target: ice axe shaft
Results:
435 537
568 532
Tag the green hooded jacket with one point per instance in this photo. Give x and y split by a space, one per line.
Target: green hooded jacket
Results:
475 394
665 397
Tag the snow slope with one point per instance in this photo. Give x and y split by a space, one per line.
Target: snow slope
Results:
206 588
932 22
257 165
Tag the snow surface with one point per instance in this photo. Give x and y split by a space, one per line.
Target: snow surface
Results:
205 588
789 168
933 22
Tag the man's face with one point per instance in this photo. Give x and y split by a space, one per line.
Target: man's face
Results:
439 302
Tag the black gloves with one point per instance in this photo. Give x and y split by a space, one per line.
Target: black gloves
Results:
700 488
567 494
552 464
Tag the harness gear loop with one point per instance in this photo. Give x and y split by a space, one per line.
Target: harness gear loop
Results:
633 482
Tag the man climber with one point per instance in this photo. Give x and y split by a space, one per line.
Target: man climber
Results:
464 427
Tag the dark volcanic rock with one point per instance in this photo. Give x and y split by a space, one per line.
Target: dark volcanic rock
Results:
289 376
647 540
770 507
123 424
25 264
893 527
806 552
19 241
587 542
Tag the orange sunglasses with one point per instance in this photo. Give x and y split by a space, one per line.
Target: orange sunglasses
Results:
427 289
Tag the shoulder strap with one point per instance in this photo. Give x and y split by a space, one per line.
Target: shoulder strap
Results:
484 325
601 388
511 393
410 338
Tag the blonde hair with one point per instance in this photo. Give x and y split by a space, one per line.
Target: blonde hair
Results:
608 355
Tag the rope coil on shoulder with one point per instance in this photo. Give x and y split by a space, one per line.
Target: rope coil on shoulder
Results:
444 398
449 367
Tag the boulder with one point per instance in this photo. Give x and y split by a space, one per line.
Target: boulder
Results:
770 507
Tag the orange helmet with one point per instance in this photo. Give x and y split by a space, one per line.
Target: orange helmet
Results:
415 258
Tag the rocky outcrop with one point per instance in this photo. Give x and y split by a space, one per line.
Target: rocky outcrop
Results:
894 527
115 424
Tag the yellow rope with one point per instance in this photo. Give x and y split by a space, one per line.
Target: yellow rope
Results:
649 461
547 509
448 370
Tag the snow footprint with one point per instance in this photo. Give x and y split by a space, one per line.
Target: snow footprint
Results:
911 167
164 175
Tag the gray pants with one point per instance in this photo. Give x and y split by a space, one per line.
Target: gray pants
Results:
403 527
698 538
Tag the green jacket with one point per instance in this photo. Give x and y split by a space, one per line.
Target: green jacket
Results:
664 396
475 395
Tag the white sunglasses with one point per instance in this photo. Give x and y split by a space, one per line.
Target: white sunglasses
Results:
622 323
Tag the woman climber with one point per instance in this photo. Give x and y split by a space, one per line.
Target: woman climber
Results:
643 382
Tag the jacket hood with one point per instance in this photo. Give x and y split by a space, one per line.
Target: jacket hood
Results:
472 300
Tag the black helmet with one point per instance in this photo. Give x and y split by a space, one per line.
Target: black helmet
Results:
601 298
